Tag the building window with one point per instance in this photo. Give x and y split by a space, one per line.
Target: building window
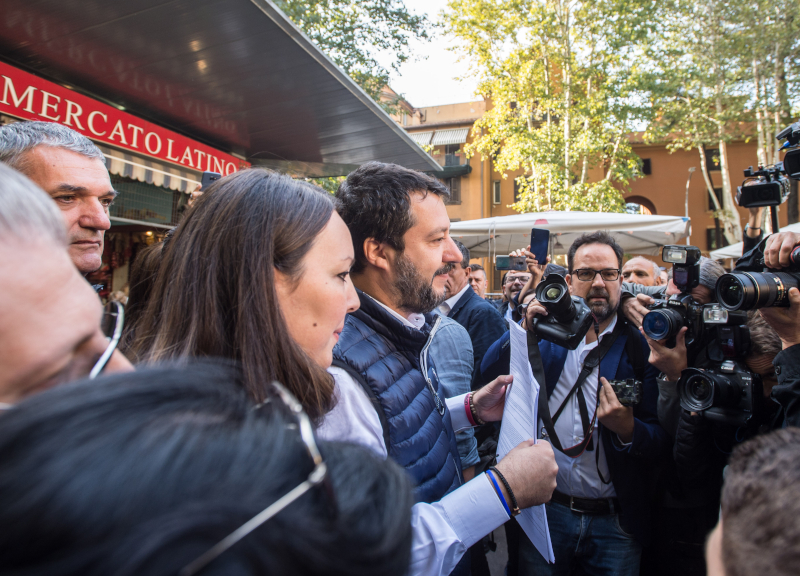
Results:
646 167
634 208
715 238
496 192
452 155
516 190
712 160
454 184
718 193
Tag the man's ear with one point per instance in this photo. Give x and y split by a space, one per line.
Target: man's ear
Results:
568 278
378 254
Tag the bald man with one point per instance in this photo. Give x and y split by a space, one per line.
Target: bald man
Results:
640 270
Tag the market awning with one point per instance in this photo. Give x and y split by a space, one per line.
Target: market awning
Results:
636 233
234 74
451 136
144 169
421 138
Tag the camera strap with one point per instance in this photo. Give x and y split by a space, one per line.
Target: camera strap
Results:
591 362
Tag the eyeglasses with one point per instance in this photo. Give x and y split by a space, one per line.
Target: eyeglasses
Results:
111 325
588 274
319 475
520 279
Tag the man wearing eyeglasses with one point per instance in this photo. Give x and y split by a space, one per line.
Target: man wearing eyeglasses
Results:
50 318
599 515
513 282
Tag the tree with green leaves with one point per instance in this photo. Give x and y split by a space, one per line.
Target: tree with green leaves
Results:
354 32
564 84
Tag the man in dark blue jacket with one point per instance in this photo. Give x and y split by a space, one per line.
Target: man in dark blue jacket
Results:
482 320
600 513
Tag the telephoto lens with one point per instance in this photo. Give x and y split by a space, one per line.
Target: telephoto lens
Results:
553 293
701 389
662 324
753 290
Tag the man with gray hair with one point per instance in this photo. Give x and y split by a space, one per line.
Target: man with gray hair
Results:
72 170
49 315
640 270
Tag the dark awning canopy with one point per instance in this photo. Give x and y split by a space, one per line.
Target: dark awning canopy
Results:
235 74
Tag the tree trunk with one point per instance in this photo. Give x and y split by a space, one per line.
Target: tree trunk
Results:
762 143
707 179
567 78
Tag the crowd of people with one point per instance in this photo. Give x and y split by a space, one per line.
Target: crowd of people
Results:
307 383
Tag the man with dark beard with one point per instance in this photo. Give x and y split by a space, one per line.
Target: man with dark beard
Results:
599 515
607 453
387 391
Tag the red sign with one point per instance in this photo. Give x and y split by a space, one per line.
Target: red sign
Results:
32 98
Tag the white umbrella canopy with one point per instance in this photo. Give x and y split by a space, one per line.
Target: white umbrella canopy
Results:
735 250
636 233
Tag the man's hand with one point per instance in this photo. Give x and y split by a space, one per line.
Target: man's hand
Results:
534 309
635 309
671 361
778 248
613 415
490 400
534 267
530 470
785 321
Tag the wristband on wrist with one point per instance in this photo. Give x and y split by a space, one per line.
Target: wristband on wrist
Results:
514 506
472 412
468 408
499 493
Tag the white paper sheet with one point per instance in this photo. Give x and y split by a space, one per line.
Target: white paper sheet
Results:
520 416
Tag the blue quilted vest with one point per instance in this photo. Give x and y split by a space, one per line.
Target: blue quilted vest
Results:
390 360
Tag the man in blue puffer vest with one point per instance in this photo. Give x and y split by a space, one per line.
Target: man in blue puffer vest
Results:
403 252
600 512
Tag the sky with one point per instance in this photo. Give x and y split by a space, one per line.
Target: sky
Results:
431 81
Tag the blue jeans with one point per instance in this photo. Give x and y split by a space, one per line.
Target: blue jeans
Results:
582 544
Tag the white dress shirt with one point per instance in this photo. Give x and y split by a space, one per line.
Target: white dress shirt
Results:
578 476
445 307
442 531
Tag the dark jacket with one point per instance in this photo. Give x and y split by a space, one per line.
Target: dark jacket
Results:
633 468
787 391
386 358
484 325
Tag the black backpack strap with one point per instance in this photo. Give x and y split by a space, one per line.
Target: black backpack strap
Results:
633 348
372 398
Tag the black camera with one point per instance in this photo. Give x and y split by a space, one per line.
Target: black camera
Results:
668 316
751 286
628 391
728 394
763 187
725 391
791 161
568 317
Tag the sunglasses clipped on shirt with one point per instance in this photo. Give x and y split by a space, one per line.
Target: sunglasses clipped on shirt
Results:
588 274
318 477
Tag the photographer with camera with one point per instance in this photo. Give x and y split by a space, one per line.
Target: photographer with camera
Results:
598 408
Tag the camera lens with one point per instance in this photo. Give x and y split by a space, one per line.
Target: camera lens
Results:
700 390
553 294
753 290
662 324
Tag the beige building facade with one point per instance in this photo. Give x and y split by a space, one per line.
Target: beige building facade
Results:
481 191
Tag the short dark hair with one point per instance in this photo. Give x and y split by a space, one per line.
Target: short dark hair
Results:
599 237
140 473
476 267
464 253
375 202
760 508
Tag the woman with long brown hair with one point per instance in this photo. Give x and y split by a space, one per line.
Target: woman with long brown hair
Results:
254 244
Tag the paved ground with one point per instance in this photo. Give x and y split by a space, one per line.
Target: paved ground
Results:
497 559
